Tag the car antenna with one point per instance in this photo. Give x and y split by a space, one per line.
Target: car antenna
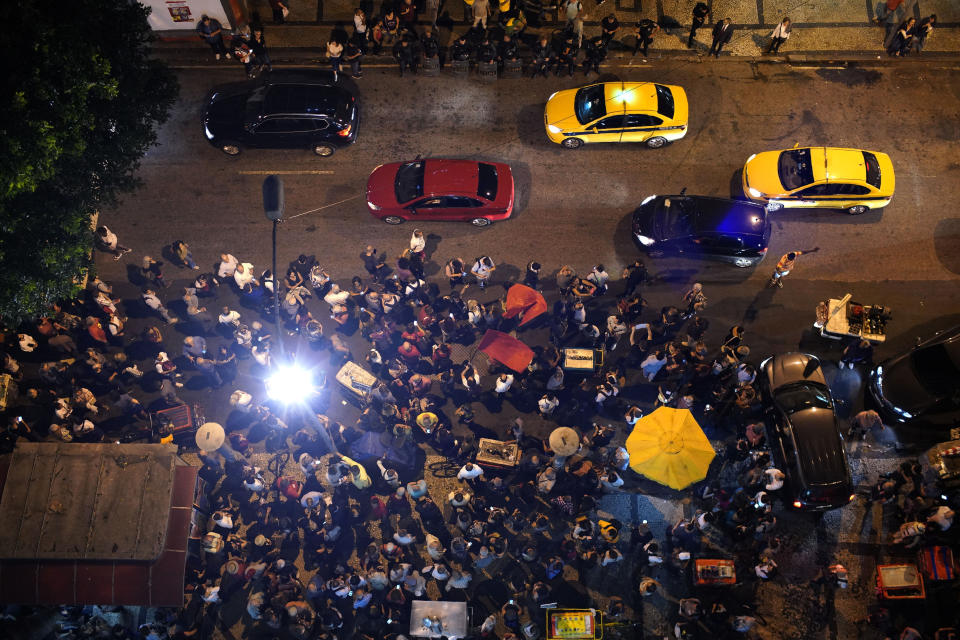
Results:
683 191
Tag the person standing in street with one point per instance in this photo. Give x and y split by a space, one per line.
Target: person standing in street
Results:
779 36
259 45
700 13
722 33
280 11
353 54
483 268
335 56
785 266
210 30
645 31
574 12
107 241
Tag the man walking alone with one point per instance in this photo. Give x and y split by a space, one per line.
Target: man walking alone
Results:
785 266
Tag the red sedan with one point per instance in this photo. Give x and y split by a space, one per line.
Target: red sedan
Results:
480 192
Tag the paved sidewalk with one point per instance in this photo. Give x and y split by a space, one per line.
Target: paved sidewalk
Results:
836 29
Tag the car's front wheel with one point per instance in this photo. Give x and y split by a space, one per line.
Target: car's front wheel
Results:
743 263
571 143
856 210
230 148
480 222
323 150
393 220
656 142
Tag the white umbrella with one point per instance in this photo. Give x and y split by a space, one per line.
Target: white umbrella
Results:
564 441
210 436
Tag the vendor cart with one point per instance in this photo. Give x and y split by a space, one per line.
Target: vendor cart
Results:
574 624
497 454
848 319
356 382
900 582
584 361
944 459
438 618
714 571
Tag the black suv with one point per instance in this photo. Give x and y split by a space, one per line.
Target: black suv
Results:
921 385
282 110
733 231
804 434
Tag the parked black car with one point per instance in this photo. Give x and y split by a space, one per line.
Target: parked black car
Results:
282 110
921 385
733 231
804 435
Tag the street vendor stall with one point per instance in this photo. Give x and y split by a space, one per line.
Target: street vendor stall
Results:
900 582
714 571
498 454
436 618
356 381
574 624
944 459
847 319
585 361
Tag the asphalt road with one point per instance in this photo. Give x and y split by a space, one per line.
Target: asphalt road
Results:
573 207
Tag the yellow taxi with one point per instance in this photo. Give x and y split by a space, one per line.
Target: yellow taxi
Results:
617 112
825 177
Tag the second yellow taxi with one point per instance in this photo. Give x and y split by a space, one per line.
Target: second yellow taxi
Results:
617 112
820 177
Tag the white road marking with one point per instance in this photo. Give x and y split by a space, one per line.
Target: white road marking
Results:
332 204
303 172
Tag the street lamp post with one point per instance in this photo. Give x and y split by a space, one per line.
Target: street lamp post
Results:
273 209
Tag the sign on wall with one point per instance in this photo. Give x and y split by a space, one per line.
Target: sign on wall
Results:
183 14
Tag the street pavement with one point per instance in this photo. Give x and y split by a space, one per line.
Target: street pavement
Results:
573 207
840 29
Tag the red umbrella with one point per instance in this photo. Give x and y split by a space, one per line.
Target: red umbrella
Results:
506 349
524 301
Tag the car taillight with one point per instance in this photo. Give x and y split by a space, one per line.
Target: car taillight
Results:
343 133
797 504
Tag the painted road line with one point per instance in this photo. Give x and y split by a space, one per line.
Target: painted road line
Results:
300 172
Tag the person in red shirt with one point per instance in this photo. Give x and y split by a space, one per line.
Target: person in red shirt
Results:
409 353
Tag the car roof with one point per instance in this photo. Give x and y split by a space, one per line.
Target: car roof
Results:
793 367
722 215
819 448
451 177
302 99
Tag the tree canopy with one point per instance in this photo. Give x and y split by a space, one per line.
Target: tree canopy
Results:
80 102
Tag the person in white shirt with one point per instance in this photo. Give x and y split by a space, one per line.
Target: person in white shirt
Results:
151 300
483 269
336 296
779 35
942 517
774 477
403 538
230 317
107 241
556 380
504 382
243 275
469 471
458 499
459 580
228 265
223 520
417 242
599 277
547 404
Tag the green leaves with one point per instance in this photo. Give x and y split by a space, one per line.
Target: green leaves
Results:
80 101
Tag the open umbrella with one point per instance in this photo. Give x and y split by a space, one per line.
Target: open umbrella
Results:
564 441
209 436
669 447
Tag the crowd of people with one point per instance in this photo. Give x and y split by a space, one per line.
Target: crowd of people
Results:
325 544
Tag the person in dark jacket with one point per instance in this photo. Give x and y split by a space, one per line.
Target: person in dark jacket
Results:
509 50
543 57
924 29
461 50
700 13
353 55
430 46
568 54
903 38
596 51
212 33
258 43
404 55
486 52
722 33
646 29
609 27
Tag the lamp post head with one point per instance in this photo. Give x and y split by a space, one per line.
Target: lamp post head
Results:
273 198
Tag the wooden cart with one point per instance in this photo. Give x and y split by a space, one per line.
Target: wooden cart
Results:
846 319
574 624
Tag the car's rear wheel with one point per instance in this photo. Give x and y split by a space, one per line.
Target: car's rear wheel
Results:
230 148
393 220
480 222
857 209
323 150
743 262
656 142
571 143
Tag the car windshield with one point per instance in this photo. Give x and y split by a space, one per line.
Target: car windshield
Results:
803 395
487 183
665 106
936 369
794 169
873 169
409 184
589 103
677 215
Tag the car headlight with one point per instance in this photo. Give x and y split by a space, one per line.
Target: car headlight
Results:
644 240
905 414
552 128
878 376
373 207
647 199
207 132
551 96
754 193
751 158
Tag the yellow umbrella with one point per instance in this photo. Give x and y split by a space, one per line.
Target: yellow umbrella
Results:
669 447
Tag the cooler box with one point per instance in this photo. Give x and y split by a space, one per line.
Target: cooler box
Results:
900 582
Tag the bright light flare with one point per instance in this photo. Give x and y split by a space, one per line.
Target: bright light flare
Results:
290 385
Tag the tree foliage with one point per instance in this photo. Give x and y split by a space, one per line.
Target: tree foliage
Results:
80 103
